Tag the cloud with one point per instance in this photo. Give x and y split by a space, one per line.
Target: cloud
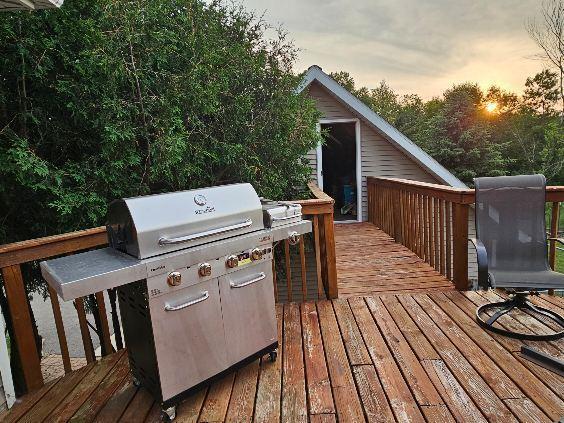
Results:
417 46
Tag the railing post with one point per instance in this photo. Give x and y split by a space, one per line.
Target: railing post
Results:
23 326
330 256
460 245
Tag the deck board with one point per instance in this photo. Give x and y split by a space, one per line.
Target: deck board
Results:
410 357
370 262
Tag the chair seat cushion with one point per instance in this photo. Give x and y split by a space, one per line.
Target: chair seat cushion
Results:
534 280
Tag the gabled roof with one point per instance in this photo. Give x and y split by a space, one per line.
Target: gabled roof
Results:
6 5
314 73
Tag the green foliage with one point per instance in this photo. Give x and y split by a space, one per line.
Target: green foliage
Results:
521 135
101 100
541 92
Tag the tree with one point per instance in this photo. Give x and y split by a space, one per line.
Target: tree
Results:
460 136
549 36
541 92
411 114
347 81
101 100
384 101
552 153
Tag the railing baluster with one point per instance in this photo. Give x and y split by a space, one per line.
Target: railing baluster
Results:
60 329
448 216
288 269
426 223
274 281
413 221
320 290
420 236
554 220
409 223
404 218
107 347
84 331
303 263
436 233
442 241
431 213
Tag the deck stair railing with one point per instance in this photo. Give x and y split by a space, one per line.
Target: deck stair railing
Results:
433 221
16 255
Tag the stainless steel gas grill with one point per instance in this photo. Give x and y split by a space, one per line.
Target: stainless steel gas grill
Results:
194 277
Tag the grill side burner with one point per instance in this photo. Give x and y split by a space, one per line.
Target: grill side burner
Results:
195 282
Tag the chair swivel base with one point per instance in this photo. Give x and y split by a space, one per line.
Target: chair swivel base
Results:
518 301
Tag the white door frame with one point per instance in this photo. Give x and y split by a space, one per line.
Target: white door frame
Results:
319 159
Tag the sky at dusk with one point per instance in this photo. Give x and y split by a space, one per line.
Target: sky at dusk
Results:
417 46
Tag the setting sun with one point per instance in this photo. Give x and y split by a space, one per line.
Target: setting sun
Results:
491 107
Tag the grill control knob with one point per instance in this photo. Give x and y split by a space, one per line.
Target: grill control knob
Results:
174 278
294 238
205 269
256 254
232 261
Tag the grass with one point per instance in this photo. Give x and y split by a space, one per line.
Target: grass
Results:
559 261
559 253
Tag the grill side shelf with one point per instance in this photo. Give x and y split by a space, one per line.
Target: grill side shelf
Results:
92 271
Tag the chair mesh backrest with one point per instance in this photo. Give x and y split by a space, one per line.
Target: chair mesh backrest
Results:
510 222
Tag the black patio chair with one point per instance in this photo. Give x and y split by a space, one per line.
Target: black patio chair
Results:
512 251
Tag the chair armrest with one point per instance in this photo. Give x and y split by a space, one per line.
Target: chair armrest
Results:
560 240
482 255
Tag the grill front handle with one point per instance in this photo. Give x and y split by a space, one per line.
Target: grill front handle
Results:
179 240
204 296
256 278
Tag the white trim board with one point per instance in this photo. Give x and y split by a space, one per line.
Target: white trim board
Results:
404 144
5 369
8 5
319 157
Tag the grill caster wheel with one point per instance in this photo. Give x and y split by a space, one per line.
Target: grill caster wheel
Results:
169 414
272 356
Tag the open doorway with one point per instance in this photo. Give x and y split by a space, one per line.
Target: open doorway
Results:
339 167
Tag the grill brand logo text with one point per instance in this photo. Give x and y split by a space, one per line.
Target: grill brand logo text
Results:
208 209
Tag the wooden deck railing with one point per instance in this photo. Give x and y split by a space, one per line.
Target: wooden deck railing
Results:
432 221
14 256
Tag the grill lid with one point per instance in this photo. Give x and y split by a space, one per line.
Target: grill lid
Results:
156 224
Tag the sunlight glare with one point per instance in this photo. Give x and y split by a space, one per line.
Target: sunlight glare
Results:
491 107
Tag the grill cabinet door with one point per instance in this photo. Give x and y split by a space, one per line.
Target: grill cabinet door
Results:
189 336
249 317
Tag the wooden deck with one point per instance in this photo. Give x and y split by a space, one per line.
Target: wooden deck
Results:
370 262
412 357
